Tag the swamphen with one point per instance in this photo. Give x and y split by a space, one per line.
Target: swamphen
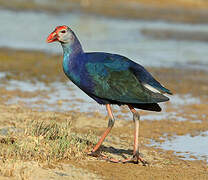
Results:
110 79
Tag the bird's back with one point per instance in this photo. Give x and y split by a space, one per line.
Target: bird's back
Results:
116 78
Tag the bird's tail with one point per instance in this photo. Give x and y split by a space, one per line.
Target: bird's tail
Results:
148 106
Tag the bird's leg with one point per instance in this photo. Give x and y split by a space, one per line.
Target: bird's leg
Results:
110 125
136 155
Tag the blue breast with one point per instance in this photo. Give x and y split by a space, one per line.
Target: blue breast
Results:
75 69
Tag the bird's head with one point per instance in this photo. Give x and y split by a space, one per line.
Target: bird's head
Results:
63 34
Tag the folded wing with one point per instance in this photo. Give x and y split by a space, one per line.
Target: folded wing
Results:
120 79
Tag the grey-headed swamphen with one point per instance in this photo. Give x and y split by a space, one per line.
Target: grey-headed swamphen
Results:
110 79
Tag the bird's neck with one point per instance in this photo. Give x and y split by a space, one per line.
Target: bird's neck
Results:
73 58
72 49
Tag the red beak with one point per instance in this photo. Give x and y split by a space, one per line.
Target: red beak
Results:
52 37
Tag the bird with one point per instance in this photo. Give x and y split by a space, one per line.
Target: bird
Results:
110 79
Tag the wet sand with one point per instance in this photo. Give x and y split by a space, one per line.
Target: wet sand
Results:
186 114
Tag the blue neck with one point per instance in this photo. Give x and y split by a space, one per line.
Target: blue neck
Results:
72 60
72 49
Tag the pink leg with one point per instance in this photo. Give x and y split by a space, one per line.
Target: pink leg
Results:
110 125
107 131
136 130
136 155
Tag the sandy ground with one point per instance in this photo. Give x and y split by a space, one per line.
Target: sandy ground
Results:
76 164
163 164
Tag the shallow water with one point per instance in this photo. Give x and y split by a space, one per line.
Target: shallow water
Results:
54 97
178 100
25 86
164 116
187 145
2 75
104 34
62 97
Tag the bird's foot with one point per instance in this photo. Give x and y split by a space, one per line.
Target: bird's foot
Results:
93 154
135 159
103 157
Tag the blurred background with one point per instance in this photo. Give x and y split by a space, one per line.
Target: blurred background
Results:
168 37
154 33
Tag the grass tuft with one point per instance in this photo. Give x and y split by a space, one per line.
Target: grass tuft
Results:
46 141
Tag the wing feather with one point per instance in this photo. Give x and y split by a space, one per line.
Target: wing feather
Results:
114 80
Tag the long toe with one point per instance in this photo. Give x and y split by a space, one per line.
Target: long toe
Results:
112 160
135 159
94 154
144 162
103 157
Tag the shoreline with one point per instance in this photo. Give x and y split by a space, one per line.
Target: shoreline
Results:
50 66
180 11
20 127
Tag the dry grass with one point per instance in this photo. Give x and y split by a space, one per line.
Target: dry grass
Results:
47 141
32 143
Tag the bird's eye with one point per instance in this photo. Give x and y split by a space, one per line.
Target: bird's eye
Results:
63 31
